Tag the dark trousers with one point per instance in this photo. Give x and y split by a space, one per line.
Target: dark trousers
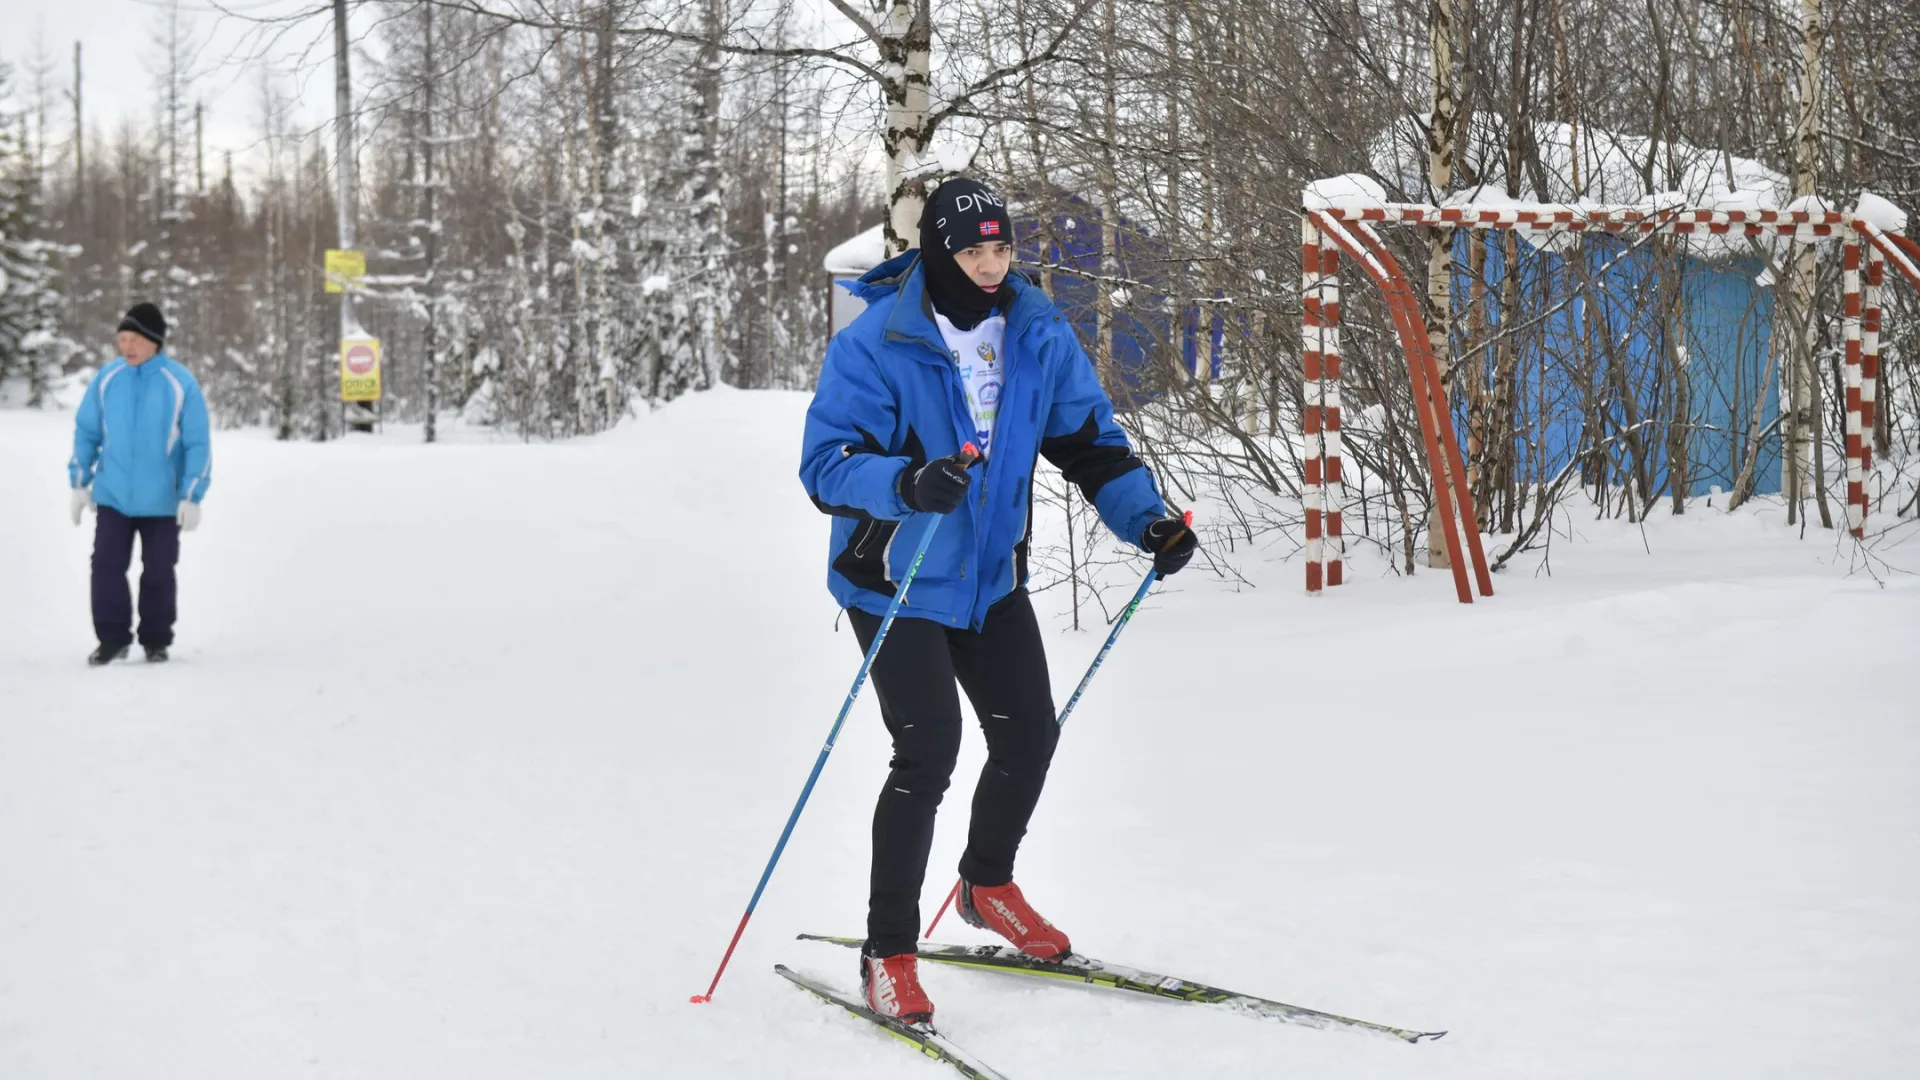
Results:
113 535
1003 669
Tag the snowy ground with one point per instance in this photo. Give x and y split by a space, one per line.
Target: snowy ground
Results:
471 755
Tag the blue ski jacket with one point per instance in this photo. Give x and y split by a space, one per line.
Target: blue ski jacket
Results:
141 438
890 399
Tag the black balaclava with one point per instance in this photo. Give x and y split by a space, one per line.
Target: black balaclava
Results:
958 215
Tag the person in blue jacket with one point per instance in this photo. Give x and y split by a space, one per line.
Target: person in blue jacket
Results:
938 400
142 460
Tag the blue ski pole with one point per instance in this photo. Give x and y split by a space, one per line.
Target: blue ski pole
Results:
859 680
1118 625
1101 658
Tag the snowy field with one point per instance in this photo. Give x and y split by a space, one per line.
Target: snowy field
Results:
471 754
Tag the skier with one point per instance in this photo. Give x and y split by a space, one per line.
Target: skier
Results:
142 460
955 354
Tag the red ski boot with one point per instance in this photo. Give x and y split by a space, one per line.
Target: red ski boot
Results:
891 985
1001 909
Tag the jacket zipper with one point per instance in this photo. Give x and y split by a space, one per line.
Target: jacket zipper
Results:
954 383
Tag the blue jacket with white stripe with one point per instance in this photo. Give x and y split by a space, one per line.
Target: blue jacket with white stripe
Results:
141 438
890 399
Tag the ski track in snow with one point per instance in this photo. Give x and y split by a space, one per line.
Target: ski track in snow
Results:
471 755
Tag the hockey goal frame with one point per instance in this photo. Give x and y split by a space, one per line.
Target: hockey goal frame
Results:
1328 231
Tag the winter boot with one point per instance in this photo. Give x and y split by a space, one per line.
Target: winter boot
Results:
891 985
1001 909
156 654
106 654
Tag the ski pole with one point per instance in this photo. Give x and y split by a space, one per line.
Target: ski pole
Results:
859 680
1118 625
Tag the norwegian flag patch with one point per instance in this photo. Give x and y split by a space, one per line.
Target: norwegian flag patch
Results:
989 228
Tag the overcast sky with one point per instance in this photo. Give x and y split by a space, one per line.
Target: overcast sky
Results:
123 47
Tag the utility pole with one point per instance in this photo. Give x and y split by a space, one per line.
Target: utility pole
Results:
343 171
79 142
174 76
433 237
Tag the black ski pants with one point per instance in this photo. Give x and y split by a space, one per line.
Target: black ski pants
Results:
1003 669
113 535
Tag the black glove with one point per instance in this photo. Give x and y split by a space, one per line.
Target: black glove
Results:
1172 542
939 486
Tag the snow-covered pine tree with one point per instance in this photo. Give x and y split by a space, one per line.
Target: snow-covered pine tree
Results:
29 338
687 280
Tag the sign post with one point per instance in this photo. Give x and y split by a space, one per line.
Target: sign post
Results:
345 269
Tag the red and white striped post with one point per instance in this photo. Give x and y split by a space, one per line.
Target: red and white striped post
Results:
1856 461
1334 544
1312 342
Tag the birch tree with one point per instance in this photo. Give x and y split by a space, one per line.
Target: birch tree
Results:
1794 322
1442 145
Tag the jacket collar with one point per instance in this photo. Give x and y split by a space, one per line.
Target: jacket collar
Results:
912 316
156 361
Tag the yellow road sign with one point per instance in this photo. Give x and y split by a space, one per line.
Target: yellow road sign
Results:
345 269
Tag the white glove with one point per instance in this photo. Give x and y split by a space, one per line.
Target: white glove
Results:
77 503
188 516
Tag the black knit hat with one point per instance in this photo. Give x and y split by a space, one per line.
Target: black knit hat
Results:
960 214
963 213
146 320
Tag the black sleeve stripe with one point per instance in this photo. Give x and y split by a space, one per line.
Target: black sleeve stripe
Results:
838 511
1087 464
916 456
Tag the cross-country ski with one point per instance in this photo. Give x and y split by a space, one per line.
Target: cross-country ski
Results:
1080 969
921 1036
